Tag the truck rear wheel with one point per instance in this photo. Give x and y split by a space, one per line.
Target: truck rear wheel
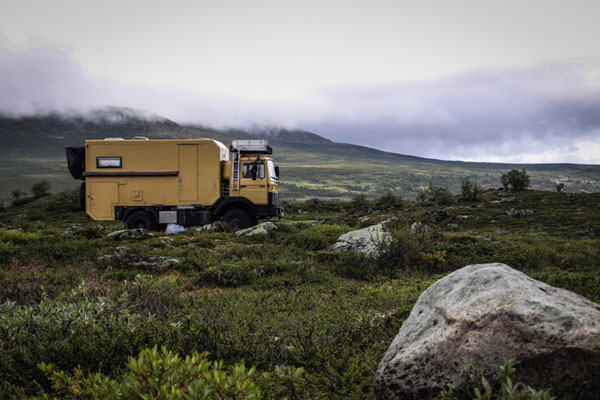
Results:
238 218
140 219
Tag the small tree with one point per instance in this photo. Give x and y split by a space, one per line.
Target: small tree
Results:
470 190
17 194
41 188
435 194
390 201
515 179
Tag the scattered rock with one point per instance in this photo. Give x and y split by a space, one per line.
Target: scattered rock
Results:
138 233
77 228
300 211
315 202
452 226
418 228
166 240
482 314
22 216
99 228
438 215
217 226
5 226
123 250
157 263
366 240
33 205
514 213
490 239
508 199
265 227
320 220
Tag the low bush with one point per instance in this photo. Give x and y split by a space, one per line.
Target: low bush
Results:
515 179
390 201
435 194
472 384
40 189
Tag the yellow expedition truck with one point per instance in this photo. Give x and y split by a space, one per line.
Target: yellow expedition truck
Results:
148 183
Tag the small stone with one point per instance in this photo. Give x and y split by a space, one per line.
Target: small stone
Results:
263 228
366 240
418 228
514 213
217 226
157 263
138 233
74 229
452 226
22 216
33 205
166 240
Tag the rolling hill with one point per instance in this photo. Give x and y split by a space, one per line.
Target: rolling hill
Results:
312 166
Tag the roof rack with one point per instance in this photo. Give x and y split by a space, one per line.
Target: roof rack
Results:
251 146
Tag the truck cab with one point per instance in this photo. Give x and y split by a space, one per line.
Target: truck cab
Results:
149 183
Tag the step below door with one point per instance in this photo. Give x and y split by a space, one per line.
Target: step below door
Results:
188 172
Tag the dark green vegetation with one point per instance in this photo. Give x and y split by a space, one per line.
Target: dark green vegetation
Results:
276 302
311 166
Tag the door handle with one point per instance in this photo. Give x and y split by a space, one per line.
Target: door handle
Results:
243 186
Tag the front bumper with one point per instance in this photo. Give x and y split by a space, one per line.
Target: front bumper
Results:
269 211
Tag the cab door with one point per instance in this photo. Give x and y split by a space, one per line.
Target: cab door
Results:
253 182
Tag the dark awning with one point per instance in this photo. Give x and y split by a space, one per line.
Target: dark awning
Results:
76 161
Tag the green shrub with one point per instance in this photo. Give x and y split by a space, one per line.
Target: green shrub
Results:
515 179
359 203
472 384
389 201
435 194
41 188
229 274
470 190
160 374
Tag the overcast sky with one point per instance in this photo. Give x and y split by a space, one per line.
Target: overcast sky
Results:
473 80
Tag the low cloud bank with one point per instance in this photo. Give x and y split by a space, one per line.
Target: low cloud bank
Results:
547 113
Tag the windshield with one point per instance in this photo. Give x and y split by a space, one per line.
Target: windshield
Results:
272 176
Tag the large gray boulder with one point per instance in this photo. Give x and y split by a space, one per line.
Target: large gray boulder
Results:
482 314
366 240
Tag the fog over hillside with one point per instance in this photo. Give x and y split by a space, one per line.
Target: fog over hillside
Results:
542 113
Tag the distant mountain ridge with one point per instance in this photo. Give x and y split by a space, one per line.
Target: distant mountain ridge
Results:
312 166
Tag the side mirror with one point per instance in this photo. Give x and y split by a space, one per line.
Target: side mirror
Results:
277 171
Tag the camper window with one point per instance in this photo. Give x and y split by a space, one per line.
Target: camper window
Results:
108 162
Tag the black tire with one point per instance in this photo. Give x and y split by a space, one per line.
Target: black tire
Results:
140 219
82 196
238 218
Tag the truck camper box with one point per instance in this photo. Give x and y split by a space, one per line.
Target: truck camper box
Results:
148 183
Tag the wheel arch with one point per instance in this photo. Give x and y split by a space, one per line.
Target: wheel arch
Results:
235 202
126 211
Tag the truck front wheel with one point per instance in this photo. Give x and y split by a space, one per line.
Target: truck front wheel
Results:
140 219
238 218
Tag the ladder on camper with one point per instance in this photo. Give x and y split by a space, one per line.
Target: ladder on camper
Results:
235 173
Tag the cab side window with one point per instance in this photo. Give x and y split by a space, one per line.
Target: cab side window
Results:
253 171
